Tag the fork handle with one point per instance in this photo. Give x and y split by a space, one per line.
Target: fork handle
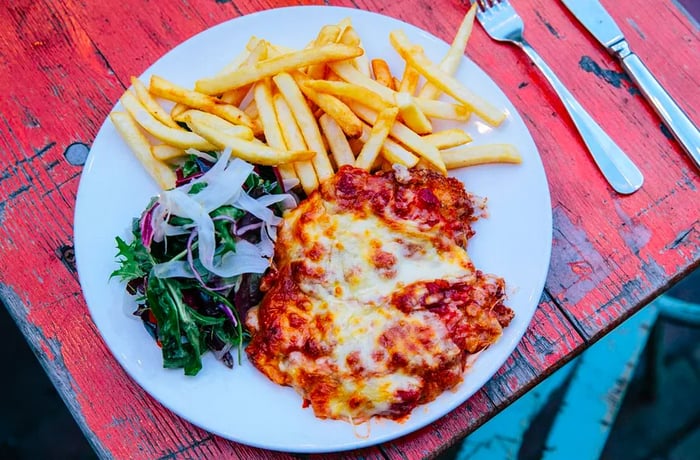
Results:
621 173
687 134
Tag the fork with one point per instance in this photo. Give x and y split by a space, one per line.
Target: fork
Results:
502 23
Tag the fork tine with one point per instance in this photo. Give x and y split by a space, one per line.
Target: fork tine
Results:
480 4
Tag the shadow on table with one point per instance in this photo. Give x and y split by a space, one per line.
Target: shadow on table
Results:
659 415
34 421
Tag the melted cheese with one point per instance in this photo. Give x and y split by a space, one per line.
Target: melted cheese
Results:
352 294
349 270
354 324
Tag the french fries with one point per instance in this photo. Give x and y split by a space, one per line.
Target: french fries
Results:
415 57
310 111
172 136
409 80
448 138
306 122
165 152
337 142
378 134
382 73
451 60
168 90
236 96
294 140
273 66
141 148
150 104
223 134
262 95
469 155
405 136
412 115
337 109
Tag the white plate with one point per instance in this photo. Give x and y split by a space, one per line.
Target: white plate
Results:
242 404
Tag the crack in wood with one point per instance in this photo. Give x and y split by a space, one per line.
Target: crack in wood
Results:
174 454
549 26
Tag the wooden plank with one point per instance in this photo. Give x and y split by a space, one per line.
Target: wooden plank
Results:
443 433
549 342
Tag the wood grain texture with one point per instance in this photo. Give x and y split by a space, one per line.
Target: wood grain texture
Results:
66 63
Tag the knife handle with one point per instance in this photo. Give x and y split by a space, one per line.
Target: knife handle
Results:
619 170
677 121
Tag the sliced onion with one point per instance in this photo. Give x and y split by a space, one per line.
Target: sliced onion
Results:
246 203
173 269
246 259
288 184
224 185
288 201
203 155
245 229
266 245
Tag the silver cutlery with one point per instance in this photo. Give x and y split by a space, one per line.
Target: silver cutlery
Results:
598 22
502 23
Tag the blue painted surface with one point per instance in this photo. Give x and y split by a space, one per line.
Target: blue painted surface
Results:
593 386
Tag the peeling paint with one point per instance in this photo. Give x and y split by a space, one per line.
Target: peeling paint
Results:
634 234
576 267
611 77
665 131
636 28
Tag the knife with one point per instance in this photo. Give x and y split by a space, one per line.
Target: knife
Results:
598 22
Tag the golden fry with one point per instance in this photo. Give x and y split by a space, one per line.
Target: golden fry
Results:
177 110
416 57
448 138
341 113
382 73
450 62
236 96
224 134
337 142
406 136
225 127
471 155
141 148
150 104
262 94
412 115
306 122
276 65
327 34
347 72
294 140
165 152
351 91
409 80
168 90
443 110
240 59
175 137
392 151
350 36
378 134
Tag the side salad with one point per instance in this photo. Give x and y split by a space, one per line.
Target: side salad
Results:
197 254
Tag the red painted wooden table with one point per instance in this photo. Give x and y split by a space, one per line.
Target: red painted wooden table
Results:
64 65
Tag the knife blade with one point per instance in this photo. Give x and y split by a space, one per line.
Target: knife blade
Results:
592 15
